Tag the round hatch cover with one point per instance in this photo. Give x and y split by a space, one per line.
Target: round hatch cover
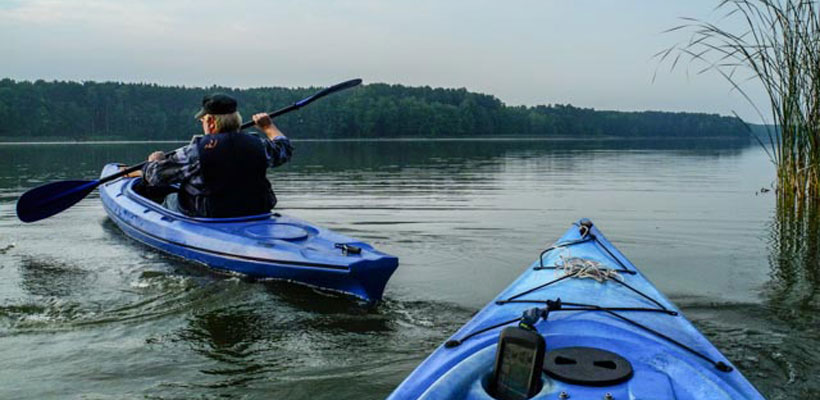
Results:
273 230
587 366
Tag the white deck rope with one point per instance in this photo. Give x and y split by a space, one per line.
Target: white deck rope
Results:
585 268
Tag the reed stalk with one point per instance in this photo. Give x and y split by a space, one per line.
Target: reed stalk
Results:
779 46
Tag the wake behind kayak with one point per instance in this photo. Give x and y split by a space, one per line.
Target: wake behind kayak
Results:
271 246
580 323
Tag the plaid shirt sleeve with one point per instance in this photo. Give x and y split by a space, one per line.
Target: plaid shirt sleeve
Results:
278 151
182 165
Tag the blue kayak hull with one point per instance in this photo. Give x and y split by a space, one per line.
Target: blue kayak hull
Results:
670 358
268 246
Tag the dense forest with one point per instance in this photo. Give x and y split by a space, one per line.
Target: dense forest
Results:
91 111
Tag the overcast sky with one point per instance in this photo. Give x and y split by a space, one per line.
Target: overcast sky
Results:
590 53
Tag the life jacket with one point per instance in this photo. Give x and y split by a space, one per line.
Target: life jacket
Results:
233 169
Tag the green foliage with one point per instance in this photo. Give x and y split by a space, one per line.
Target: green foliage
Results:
91 110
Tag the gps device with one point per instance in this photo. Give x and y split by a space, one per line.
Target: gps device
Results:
518 362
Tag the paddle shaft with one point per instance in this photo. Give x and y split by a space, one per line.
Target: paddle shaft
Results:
295 106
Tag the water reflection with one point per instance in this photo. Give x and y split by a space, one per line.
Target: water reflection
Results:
795 262
34 165
792 315
45 277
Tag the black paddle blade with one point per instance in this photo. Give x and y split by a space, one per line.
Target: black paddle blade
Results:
47 200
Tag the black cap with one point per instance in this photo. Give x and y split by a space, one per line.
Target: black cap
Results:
217 103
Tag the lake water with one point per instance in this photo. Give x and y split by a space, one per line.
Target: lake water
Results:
86 312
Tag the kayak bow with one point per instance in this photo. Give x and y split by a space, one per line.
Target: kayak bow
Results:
608 333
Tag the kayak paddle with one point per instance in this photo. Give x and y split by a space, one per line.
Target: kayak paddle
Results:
53 198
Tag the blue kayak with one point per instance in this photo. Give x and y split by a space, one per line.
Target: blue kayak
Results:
268 246
607 332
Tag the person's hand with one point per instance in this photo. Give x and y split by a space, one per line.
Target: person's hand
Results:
132 174
262 121
266 126
156 156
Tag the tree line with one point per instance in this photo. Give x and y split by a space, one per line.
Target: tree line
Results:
135 111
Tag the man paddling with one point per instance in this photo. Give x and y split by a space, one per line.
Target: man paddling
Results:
221 174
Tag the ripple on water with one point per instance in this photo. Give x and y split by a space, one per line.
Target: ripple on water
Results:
153 295
289 336
46 277
775 353
44 315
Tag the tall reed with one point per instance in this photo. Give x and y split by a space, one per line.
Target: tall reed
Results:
779 46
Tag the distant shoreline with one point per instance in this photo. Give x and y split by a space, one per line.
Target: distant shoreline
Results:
113 111
406 139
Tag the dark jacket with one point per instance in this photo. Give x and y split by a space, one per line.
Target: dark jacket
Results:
222 175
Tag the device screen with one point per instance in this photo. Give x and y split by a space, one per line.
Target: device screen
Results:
514 372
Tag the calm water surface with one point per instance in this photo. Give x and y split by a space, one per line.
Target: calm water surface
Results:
87 313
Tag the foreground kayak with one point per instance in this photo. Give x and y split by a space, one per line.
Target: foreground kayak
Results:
608 333
269 246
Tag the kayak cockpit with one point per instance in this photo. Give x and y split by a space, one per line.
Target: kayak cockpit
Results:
653 373
128 190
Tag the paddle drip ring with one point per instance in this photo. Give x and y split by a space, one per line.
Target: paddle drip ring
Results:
578 267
